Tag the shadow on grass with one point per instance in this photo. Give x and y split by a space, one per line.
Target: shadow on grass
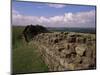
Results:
24 57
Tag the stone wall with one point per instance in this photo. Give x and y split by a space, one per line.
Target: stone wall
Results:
66 50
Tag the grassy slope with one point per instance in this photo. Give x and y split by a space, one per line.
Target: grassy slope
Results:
25 58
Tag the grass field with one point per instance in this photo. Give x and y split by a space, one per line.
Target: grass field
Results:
25 58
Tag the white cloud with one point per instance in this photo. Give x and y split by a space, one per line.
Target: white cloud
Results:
15 12
56 5
80 19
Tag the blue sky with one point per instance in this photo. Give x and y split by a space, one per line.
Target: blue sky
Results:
53 13
42 9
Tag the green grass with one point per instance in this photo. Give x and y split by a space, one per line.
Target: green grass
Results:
25 58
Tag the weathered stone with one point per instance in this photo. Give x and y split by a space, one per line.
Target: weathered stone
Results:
81 40
78 59
62 61
88 52
86 60
71 39
61 49
80 49
60 55
75 35
71 66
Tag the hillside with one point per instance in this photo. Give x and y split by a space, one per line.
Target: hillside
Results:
52 51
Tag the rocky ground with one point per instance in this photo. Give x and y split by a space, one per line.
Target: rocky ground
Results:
66 50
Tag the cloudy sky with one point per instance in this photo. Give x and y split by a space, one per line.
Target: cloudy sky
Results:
52 15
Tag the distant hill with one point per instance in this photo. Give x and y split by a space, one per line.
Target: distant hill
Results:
81 30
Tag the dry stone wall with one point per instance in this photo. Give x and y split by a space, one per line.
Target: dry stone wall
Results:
66 50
